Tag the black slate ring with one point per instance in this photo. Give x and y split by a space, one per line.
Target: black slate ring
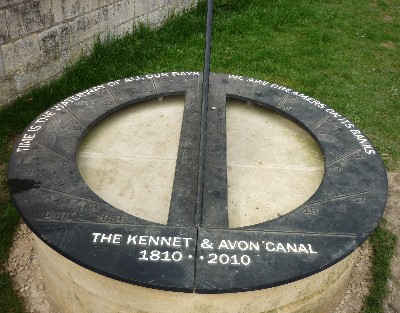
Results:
60 208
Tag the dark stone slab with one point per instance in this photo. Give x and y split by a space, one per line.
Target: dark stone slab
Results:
240 260
64 212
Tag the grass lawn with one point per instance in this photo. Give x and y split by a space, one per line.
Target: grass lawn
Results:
344 53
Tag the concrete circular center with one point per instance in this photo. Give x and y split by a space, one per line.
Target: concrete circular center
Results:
128 159
274 165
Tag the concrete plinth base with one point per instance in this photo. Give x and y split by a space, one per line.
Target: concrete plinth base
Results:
76 289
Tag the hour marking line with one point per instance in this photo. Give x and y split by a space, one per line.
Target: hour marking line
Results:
338 197
342 157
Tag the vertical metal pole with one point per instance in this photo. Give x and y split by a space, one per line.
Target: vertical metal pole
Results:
204 110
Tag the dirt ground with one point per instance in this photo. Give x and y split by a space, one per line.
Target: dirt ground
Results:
24 268
392 216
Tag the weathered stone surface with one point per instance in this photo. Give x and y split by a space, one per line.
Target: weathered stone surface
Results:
4 36
187 3
121 12
22 54
80 49
146 7
142 19
67 9
172 6
34 33
82 29
123 29
102 18
29 17
6 3
154 18
1 65
37 76
103 3
6 91
78 30
49 42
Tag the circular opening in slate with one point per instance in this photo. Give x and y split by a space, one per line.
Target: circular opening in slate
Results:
274 165
128 159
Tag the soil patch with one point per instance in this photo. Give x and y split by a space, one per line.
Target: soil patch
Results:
392 216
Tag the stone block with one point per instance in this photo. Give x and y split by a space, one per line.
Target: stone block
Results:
157 17
173 7
80 49
29 17
7 91
186 4
71 55
7 3
123 29
121 12
58 12
2 72
145 7
64 36
103 3
4 35
68 9
25 80
83 28
66 56
22 54
48 33
104 36
50 70
142 19
102 19
49 43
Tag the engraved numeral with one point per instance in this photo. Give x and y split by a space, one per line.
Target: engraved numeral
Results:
335 168
359 156
156 256
226 259
310 210
359 199
112 218
94 207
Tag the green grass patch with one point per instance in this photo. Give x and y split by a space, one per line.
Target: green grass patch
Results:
342 53
9 301
383 244
345 54
9 219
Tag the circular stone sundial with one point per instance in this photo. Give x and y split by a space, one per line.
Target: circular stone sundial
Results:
197 249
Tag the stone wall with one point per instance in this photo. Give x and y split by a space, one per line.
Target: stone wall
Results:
39 37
